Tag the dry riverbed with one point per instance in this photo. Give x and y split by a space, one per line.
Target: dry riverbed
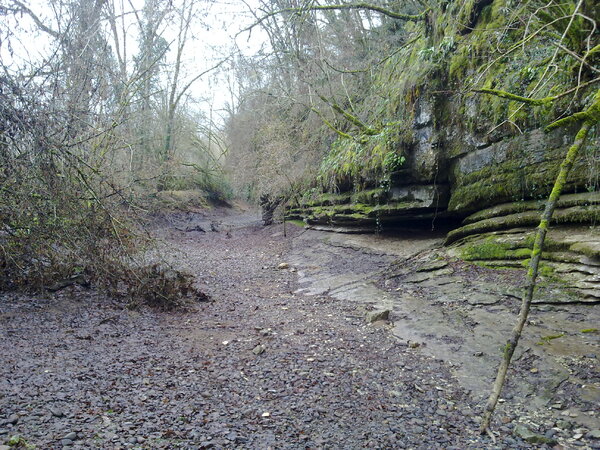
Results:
282 357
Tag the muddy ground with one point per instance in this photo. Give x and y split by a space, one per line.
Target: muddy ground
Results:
284 358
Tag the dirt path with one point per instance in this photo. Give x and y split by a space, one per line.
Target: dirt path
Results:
269 363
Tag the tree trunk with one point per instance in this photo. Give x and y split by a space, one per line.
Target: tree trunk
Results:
532 273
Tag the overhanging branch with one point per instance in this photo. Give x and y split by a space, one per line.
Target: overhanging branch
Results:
22 7
360 6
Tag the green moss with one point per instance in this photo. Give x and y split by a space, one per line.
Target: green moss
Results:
488 249
543 269
460 63
494 265
569 200
552 337
329 214
364 158
298 223
363 208
491 249
589 249
522 253
19 442
496 223
326 199
371 197
576 214
512 180
361 213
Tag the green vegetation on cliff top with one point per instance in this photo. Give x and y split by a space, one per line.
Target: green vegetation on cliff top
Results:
441 61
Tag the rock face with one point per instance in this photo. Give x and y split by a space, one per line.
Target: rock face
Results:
374 316
512 170
448 174
487 187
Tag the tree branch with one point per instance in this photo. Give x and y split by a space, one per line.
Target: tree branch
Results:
577 117
350 118
577 57
591 117
197 77
535 101
36 19
330 125
365 6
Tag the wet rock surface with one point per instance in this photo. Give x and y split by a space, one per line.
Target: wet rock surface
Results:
271 362
462 314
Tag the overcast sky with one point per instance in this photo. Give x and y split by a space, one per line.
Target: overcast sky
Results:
212 39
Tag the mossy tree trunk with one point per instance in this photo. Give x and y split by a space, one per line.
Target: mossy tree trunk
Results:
590 118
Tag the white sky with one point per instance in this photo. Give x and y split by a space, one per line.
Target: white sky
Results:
212 39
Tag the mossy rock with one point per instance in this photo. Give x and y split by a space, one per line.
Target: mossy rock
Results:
298 223
370 197
575 214
580 199
514 169
570 264
326 199
590 249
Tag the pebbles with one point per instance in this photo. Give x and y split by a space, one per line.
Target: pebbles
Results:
162 380
12 419
56 412
259 350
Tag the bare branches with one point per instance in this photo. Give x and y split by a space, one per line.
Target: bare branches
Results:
41 25
189 84
582 60
347 6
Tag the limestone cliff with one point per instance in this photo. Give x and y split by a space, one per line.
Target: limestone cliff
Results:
482 164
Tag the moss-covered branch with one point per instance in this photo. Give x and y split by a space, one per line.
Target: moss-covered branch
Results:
591 117
517 98
592 114
365 129
340 133
538 101
577 117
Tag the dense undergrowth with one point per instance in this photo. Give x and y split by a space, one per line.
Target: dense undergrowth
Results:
98 133
66 216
